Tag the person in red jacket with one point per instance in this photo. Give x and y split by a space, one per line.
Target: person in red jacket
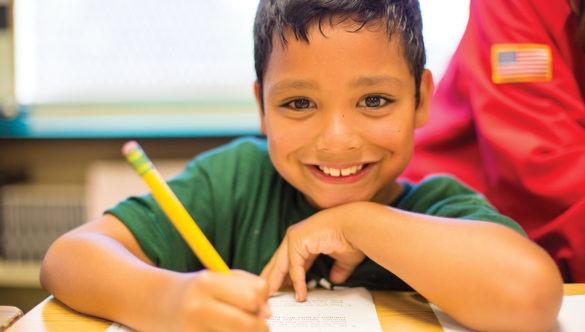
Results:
508 118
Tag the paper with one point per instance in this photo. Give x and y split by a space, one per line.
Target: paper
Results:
342 310
350 309
570 319
115 327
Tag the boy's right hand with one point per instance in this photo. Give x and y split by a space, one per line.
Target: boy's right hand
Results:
212 301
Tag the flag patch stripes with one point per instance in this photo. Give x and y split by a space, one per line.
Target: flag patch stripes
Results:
515 63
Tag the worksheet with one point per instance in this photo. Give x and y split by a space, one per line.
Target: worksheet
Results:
349 309
340 310
115 327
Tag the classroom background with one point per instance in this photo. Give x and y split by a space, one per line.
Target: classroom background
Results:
77 80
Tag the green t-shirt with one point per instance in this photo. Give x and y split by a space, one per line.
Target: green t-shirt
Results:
244 207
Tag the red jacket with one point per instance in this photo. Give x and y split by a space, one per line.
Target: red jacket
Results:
508 118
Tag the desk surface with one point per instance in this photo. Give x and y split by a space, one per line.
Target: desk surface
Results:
397 311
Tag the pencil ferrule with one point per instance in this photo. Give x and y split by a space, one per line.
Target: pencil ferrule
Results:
139 161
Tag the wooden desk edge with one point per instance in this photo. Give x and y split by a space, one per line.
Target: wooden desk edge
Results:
574 289
52 315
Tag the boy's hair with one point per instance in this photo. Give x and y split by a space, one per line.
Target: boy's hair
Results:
275 17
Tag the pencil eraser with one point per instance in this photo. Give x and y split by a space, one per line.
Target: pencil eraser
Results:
129 146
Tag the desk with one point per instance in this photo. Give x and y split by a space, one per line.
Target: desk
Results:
397 311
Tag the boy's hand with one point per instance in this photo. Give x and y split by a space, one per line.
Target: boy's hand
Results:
303 242
211 301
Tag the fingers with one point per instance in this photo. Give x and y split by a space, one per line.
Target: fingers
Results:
340 272
220 302
224 317
259 294
243 290
277 268
291 262
300 261
303 242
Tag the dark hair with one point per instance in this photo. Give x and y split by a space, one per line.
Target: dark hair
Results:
275 17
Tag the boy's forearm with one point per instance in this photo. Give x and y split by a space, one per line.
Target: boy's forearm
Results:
95 274
478 272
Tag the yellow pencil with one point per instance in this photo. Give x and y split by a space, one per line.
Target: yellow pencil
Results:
173 208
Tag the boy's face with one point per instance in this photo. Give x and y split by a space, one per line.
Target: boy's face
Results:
340 112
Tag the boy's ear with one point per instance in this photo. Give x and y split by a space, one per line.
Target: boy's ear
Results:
427 87
260 107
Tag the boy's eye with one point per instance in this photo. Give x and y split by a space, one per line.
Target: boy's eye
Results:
300 104
373 101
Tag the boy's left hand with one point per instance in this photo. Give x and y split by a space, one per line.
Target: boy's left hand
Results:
322 233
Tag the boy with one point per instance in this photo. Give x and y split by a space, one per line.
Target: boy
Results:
341 87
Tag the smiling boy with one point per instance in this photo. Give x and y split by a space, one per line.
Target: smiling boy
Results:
340 113
341 88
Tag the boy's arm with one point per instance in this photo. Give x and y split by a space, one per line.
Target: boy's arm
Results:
485 275
99 269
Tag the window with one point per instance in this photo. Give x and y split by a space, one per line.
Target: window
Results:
444 22
133 51
89 68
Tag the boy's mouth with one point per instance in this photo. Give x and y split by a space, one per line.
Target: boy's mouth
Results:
341 172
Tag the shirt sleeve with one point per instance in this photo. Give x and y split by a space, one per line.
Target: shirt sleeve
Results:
444 196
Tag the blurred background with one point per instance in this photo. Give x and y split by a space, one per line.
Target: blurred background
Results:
79 78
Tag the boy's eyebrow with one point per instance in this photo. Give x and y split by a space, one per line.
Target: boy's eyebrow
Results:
357 83
375 80
293 84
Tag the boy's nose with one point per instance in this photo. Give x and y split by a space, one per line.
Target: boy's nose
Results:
338 133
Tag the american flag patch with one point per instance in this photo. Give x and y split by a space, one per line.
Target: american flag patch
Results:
515 63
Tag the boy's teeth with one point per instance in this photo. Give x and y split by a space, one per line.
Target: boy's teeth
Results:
340 172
